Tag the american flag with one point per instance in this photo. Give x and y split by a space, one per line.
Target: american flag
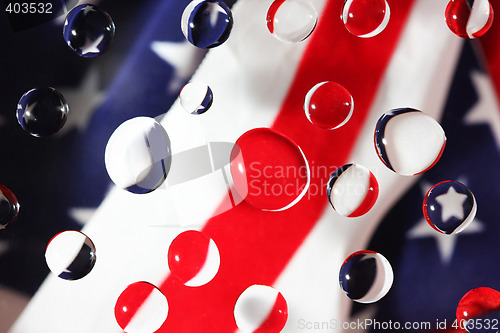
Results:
257 81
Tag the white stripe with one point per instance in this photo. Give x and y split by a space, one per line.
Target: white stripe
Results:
418 76
479 15
249 75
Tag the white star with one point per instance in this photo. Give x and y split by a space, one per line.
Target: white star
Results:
184 57
445 243
82 101
486 110
81 215
451 204
91 46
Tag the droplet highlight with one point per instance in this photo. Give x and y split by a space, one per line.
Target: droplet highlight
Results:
9 207
408 141
365 18
328 105
449 207
269 170
479 310
70 255
193 258
352 190
138 155
42 111
141 308
206 23
88 30
469 18
196 98
261 309
291 20
366 276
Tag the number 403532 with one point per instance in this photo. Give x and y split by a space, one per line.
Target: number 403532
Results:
477 324
29 8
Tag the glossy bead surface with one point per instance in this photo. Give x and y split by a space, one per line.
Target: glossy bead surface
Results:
88 30
365 18
469 18
196 98
206 23
291 20
70 255
9 207
449 207
366 276
408 141
42 111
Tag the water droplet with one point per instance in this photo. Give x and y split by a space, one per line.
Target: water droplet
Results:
9 207
469 19
365 18
478 307
193 258
207 23
88 30
196 97
70 255
291 20
328 105
42 111
269 170
138 155
449 207
141 308
352 190
261 309
366 276
408 141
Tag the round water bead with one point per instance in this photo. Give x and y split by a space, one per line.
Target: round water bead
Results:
449 207
469 18
70 255
9 207
141 308
328 105
88 30
193 258
42 111
408 141
365 18
291 20
138 155
352 190
261 309
479 310
366 276
196 97
269 170
206 23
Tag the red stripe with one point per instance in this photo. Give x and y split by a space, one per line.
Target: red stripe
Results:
255 246
491 47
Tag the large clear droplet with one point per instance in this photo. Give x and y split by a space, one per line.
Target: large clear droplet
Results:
291 20
449 207
261 309
469 19
269 170
352 190
42 111
138 155
408 141
70 255
328 105
365 18
207 23
88 30
193 258
366 276
141 308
